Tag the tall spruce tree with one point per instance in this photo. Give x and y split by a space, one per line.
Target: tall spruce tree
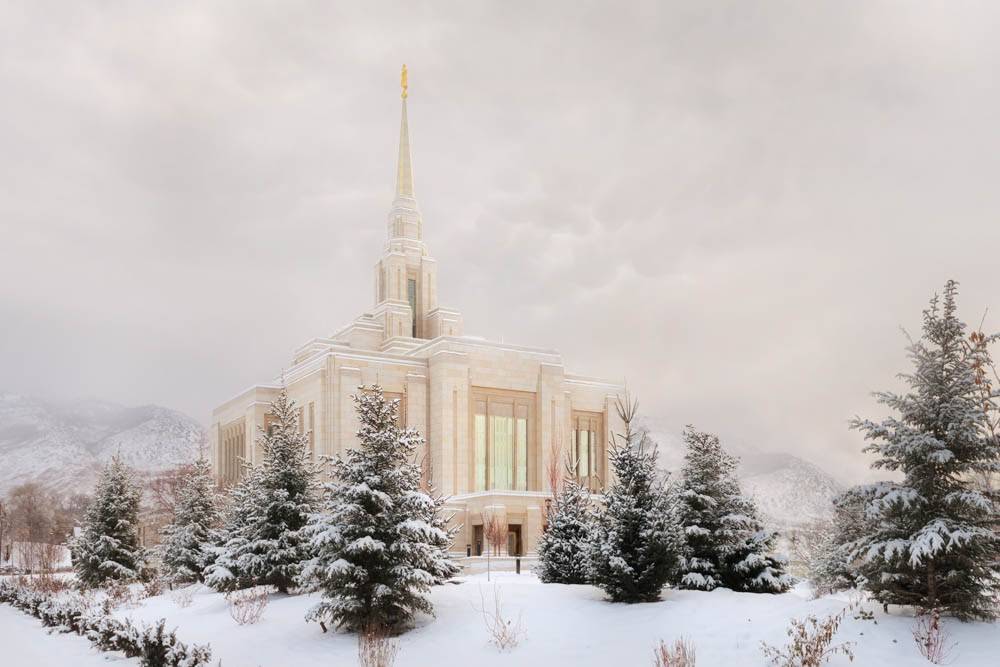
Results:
267 547
832 567
933 540
381 542
563 547
187 547
636 541
108 548
227 564
727 545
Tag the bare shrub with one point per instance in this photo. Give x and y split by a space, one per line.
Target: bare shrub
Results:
48 583
554 466
678 654
120 594
247 606
183 597
933 640
376 649
153 587
504 633
5 524
495 532
811 643
41 583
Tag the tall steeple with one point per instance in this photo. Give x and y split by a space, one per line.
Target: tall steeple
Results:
404 218
406 276
404 167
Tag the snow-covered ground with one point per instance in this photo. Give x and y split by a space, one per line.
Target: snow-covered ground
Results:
570 625
25 643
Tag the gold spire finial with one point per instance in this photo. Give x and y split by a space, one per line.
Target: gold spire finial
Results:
404 82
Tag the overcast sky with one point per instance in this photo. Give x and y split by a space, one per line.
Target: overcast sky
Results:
734 206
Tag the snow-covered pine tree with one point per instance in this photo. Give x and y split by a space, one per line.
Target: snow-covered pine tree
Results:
563 547
108 548
832 567
726 543
933 541
636 542
227 566
381 542
268 548
188 540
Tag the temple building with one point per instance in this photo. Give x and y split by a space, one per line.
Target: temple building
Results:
494 415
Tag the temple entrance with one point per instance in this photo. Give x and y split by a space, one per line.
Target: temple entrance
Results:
477 540
514 540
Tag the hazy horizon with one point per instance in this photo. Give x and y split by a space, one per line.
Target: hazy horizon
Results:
734 208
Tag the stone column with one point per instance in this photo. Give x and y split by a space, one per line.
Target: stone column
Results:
449 400
548 425
531 531
346 420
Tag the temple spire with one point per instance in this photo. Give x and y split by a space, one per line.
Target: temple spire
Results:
404 168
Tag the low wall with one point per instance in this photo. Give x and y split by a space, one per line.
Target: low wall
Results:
478 564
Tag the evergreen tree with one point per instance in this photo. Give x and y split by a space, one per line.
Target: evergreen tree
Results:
108 549
636 542
727 545
563 547
187 546
832 568
381 541
267 547
227 567
933 540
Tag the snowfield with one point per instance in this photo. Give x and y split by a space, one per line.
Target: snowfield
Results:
24 643
563 625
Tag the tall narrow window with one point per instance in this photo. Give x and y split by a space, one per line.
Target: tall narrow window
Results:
501 440
312 430
587 449
480 444
592 456
521 454
411 295
502 423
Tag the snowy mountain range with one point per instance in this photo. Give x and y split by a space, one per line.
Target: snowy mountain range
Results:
790 491
64 444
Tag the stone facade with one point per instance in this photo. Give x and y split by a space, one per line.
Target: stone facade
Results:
494 415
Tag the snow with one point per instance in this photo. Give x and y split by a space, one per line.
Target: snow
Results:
788 490
63 445
22 554
564 625
25 643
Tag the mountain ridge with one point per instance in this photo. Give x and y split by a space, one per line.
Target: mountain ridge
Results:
790 491
64 444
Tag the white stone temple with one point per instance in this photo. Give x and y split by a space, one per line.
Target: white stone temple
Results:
494 415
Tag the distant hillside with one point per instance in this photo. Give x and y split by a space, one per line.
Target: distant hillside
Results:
65 444
789 491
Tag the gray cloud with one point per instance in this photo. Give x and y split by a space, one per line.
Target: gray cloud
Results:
732 205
